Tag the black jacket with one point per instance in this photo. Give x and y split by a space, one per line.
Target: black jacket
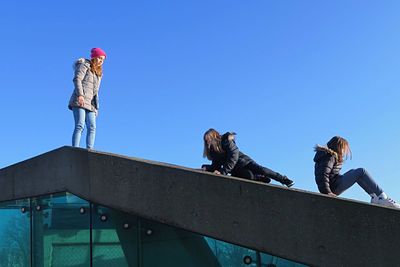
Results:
327 168
230 159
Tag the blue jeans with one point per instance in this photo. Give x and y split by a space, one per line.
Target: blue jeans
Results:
81 116
360 176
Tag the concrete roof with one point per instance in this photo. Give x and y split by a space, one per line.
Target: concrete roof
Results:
294 224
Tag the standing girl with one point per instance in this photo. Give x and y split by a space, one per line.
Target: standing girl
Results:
328 163
227 159
84 101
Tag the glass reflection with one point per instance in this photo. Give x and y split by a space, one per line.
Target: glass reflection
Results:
114 238
232 255
15 233
61 231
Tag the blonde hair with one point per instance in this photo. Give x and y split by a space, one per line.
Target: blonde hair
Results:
212 140
96 69
340 146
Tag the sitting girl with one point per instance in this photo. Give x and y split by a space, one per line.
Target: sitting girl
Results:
328 163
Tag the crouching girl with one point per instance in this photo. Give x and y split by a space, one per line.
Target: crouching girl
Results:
227 159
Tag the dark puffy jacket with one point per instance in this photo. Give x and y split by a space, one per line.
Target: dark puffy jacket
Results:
230 159
327 168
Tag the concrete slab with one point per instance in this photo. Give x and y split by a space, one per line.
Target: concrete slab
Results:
302 226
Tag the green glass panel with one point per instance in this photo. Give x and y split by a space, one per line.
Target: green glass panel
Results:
163 245
15 233
114 238
272 261
61 231
230 255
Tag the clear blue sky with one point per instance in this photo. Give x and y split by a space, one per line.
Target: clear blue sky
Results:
284 75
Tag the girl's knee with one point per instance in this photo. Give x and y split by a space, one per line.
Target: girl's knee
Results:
362 171
79 127
92 128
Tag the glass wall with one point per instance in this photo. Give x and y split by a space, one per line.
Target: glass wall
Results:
114 238
231 255
60 230
15 246
163 245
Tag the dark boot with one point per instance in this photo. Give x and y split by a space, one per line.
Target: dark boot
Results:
285 181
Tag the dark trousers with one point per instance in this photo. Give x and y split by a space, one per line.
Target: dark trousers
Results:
254 171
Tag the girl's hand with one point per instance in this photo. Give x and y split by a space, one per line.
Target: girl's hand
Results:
332 195
81 100
217 172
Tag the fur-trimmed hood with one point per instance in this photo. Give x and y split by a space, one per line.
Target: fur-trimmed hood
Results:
80 61
323 151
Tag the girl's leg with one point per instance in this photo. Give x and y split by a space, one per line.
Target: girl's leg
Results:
359 176
260 170
243 173
79 118
248 174
91 129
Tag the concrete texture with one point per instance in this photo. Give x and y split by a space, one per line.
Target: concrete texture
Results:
302 226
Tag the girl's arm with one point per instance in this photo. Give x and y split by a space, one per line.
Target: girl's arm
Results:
215 166
322 176
232 152
80 72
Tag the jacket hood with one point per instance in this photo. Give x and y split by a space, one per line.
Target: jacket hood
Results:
82 60
228 136
323 151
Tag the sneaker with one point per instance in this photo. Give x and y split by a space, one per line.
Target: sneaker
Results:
286 181
387 202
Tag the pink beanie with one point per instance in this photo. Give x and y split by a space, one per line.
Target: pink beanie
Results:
97 52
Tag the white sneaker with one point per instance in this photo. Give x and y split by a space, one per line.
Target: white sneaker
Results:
374 198
387 202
